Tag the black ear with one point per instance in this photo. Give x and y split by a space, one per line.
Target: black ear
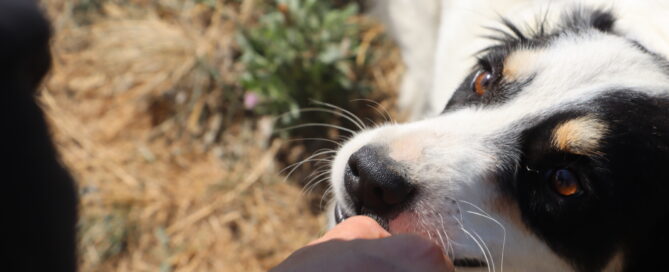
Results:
602 20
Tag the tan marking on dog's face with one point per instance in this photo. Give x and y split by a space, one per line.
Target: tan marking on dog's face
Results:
406 148
580 136
519 64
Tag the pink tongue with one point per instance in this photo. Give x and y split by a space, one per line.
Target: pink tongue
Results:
403 223
408 222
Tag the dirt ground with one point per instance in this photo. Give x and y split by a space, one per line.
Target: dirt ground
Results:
161 189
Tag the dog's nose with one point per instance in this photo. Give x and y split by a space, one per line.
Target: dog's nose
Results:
375 182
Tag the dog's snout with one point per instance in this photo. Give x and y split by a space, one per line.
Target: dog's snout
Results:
375 182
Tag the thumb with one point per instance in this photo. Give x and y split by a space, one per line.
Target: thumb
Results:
415 252
356 227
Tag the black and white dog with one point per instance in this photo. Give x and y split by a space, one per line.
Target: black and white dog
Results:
551 155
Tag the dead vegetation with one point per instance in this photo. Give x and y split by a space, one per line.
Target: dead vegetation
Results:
144 102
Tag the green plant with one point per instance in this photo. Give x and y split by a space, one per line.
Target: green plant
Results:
303 50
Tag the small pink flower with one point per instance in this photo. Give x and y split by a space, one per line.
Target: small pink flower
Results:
251 100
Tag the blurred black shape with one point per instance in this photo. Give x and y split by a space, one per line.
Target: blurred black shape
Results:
39 194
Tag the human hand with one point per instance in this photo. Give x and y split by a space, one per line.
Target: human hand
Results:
361 244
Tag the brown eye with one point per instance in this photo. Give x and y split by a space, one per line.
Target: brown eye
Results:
482 83
564 182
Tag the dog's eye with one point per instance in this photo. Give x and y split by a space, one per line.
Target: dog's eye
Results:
481 83
564 182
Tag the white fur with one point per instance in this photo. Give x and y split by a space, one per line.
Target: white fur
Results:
413 24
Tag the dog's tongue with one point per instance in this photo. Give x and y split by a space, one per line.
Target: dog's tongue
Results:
403 223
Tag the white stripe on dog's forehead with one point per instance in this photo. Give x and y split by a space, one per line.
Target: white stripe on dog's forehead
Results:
596 59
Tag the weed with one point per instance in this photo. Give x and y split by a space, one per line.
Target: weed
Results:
302 50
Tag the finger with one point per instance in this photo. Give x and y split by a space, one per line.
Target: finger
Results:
356 227
415 252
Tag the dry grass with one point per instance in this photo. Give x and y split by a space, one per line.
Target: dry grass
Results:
138 121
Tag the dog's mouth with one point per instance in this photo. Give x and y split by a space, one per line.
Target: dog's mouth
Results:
341 215
469 262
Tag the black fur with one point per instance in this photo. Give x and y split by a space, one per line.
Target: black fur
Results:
41 196
576 20
581 18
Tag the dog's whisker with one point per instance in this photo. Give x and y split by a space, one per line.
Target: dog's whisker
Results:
492 261
317 125
476 241
485 256
354 121
320 165
457 203
424 226
327 194
445 244
352 115
489 217
318 170
318 173
315 139
317 177
302 162
313 180
386 116
448 239
503 237
296 165
309 190
442 243
374 124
